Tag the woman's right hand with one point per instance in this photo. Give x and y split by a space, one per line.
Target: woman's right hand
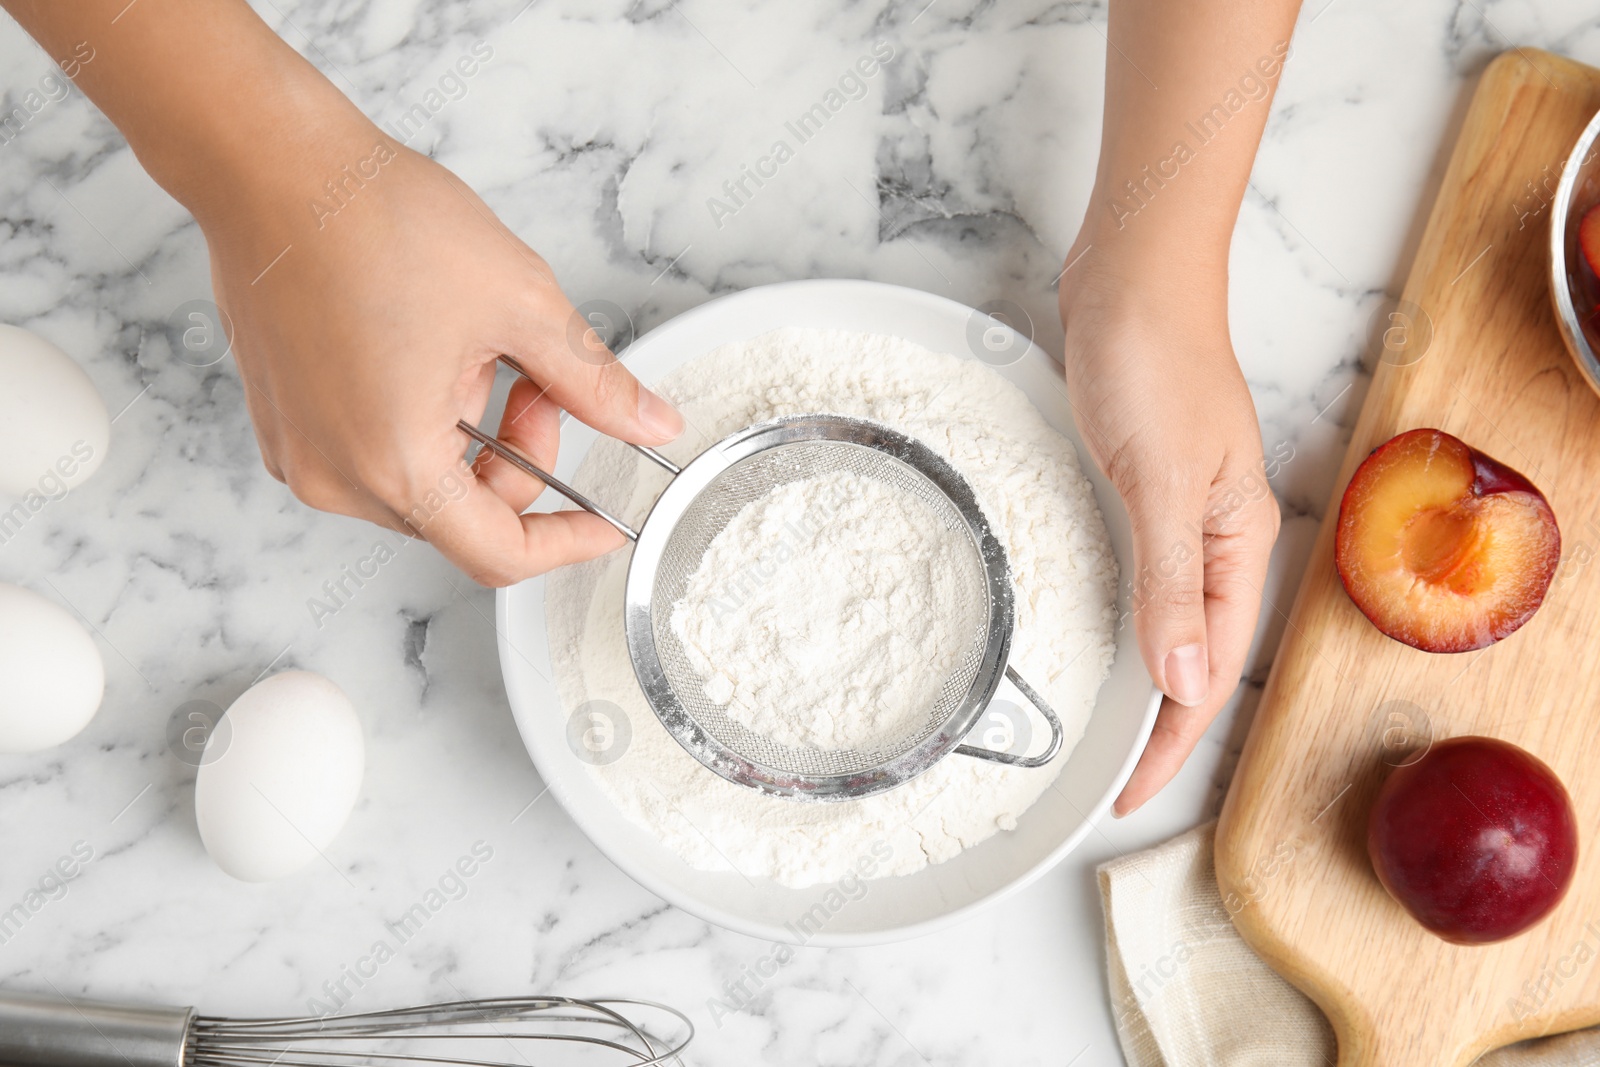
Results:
1164 411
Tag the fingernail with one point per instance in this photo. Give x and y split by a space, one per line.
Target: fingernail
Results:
1187 675
658 416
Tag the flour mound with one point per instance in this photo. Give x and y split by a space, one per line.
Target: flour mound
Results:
829 612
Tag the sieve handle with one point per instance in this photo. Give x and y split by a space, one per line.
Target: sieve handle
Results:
527 466
644 450
1044 709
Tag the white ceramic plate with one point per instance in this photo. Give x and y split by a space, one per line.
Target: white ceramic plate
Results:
892 908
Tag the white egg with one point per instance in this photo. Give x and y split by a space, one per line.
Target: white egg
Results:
54 430
51 674
279 775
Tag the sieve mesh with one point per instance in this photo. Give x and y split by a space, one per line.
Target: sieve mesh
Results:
716 505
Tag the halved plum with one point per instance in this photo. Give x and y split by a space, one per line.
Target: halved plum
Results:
1443 547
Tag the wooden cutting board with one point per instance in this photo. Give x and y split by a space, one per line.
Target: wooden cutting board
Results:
1344 703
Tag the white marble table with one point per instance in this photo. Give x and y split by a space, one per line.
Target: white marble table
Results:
599 131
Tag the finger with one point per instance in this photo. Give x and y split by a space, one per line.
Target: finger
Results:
319 488
1166 509
312 477
264 422
531 424
481 534
1236 566
564 353
478 388
268 441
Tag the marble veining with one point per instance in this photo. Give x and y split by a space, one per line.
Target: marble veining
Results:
600 131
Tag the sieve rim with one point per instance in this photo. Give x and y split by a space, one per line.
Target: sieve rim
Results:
681 493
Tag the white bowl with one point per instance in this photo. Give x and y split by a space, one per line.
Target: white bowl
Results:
892 908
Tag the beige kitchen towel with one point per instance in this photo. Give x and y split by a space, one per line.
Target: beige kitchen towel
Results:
1187 992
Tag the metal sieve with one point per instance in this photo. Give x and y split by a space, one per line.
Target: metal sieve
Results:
705 496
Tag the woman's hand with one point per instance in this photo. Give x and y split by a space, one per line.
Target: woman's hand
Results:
379 327
1157 392
370 292
1161 404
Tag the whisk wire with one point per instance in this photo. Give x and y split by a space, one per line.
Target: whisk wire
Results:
288 1057
301 1041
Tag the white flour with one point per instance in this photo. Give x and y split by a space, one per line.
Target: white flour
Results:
828 613
1033 492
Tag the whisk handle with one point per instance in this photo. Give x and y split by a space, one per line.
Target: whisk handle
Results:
52 1031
